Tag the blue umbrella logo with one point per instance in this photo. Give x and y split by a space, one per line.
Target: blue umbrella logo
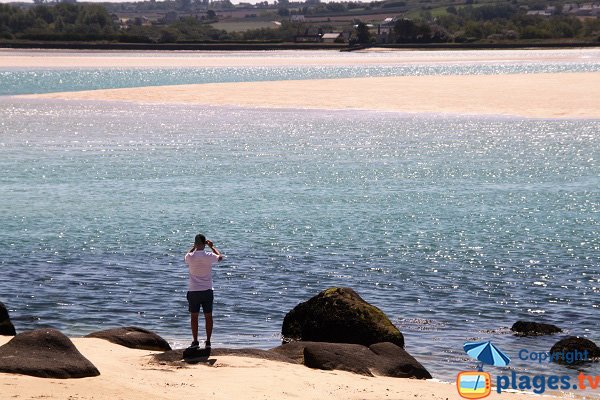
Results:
486 353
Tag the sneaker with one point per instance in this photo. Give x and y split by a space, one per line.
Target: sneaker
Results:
195 343
207 344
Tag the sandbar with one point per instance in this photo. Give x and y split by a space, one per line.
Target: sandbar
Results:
43 59
543 95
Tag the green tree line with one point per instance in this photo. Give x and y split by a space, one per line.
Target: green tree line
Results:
92 22
502 22
60 21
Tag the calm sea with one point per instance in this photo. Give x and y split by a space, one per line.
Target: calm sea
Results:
44 80
455 226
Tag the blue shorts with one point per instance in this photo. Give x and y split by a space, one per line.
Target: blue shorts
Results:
199 299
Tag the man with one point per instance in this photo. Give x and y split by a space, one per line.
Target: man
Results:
200 288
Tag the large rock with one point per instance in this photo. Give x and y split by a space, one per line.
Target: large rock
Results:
45 353
381 359
292 350
574 347
528 328
339 315
133 337
6 327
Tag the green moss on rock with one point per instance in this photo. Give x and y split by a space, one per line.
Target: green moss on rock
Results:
339 315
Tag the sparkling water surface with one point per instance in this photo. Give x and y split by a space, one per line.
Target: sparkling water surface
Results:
32 81
456 227
42 79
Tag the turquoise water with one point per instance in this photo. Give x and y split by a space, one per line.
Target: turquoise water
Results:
455 226
39 80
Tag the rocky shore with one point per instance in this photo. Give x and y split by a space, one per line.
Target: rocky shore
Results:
336 334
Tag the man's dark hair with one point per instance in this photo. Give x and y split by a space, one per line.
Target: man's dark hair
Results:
200 240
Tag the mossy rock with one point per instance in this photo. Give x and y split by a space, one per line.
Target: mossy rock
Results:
339 315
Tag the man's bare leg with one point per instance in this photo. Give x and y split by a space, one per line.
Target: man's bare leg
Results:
209 326
194 325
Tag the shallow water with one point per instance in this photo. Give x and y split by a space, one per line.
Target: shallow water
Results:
44 80
455 226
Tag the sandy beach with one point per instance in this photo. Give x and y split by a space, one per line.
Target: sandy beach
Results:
129 374
187 59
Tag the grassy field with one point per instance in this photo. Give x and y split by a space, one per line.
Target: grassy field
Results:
435 12
241 26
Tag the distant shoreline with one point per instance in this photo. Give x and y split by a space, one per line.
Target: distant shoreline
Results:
117 58
261 46
173 46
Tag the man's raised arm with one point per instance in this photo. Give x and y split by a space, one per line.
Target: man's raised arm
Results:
214 250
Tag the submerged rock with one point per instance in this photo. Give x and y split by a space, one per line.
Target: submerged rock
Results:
529 328
45 353
381 359
6 326
339 315
574 350
134 338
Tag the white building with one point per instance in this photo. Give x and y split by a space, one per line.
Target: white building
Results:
331 37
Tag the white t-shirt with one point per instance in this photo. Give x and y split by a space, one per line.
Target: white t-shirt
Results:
200 264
